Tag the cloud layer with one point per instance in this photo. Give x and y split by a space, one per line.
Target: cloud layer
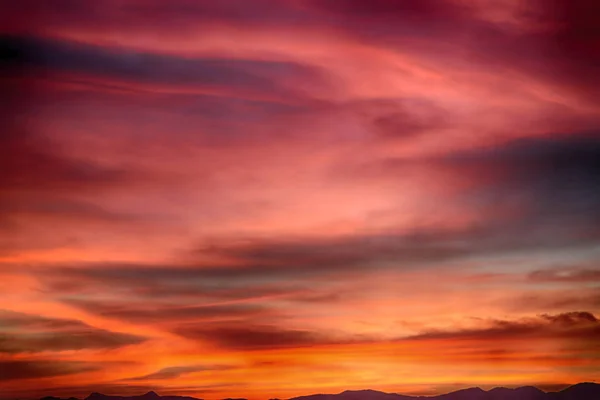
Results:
267 198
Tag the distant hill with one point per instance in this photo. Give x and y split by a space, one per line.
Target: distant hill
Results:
581 391
57 398
147 396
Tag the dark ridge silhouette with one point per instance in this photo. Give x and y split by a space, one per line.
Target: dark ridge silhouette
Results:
580 391
148 396
465 394
57 398
586 390
522 393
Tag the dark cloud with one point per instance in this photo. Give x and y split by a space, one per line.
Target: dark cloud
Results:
167 281
156 313
42 178
398 118
570 159
24 369
37 171
24 333
262 267
194 302
176 372
571 326
256 76
252 337
174 18
554 40
582 275
571 318
355 253
393 23
546 186
563 53
557 41
401 9
581 298
262 263
573 57
61 207
31 162
401 125
554 176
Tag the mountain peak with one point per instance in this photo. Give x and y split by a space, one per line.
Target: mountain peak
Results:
362 391
580 391
95 396
57 398
476 389
585 384
583 390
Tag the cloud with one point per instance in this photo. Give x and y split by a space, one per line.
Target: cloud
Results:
551 159
395 18
197 305
400 118
157 313
33 163
128 65
555 176
178 17
582 275
553 41
252 337
63 208
176 372
570 52
25 369
266 262
265 266
550 41
566 330
545 186
571 318
571 326
564 299
284 211
25 333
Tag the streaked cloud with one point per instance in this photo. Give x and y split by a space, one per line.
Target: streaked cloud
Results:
23 333
23 369
274 197
176 372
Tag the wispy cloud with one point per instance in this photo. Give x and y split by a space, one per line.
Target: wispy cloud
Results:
331 189
176 372
24 333
24 369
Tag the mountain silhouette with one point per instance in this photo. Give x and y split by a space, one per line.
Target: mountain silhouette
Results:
57 398
148 396
580 391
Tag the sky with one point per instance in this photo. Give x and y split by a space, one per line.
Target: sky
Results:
272 198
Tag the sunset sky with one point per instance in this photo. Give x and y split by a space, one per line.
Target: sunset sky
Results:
271 198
